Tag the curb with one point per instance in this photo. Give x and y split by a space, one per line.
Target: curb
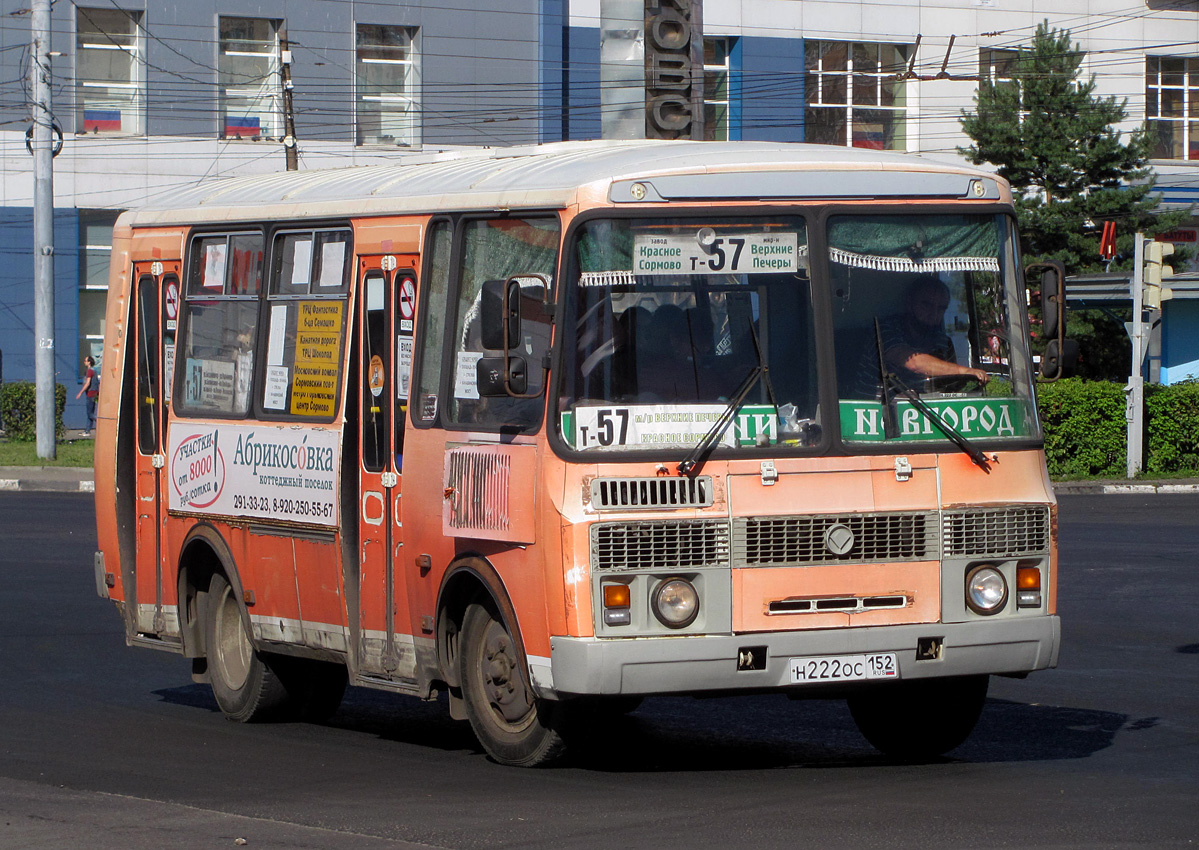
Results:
27 485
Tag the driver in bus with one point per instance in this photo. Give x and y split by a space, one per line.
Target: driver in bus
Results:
915 344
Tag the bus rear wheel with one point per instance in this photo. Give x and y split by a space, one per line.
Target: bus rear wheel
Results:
245 686
514 727
920 719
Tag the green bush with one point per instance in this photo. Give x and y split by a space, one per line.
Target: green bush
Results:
18 409
1085 431
1172 427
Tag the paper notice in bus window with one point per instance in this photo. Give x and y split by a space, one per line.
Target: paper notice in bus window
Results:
275 397
217 384
403 365
466 382
245 376
168 370
318 354
214 266
278 335
333 258
301 262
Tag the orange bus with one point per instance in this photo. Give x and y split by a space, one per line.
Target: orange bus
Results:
550 430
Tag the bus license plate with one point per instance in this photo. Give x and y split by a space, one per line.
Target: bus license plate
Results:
844 668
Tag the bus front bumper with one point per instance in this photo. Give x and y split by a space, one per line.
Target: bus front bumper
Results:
674 665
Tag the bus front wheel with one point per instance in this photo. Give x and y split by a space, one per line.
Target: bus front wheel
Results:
244 685
921 718
514 727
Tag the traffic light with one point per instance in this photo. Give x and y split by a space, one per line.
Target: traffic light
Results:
1155 271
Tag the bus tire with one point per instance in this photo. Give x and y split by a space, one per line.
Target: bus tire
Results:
922 718
245 686
514 727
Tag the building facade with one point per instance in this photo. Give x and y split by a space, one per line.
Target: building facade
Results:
151 97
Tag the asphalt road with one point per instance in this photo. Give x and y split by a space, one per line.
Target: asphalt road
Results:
104 746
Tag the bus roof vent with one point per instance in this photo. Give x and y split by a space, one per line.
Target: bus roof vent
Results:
624 494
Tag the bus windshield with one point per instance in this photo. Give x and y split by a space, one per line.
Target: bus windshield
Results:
671 317
941 295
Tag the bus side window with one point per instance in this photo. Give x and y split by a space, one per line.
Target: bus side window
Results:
220 324
497 249
427 381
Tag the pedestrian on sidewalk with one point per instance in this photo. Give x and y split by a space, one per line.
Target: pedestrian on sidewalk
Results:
91 386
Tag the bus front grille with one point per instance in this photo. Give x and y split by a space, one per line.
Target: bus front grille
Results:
1004 532
659 545
833 539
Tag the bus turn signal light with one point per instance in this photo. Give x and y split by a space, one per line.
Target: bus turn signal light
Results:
616 596
617 599
1028 587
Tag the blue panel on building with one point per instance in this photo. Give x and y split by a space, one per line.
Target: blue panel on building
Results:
552 72
582 83
772 88
17 297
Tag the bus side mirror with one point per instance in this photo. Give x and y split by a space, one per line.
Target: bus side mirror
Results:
499 314
501 377
1060 359
500 305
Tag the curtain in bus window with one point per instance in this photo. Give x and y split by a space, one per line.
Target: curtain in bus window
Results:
923 244
498 249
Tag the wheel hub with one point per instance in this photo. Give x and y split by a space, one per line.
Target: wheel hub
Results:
502 682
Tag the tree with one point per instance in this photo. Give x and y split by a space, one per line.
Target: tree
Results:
1070 170
1054 140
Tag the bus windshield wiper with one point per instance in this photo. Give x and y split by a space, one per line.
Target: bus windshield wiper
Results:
691 464
891 380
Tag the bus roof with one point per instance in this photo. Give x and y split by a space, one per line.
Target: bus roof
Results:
550 177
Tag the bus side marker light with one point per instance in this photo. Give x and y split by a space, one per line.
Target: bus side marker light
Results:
1028 587
617 599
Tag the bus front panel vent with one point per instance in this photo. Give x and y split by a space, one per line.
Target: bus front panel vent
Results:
630 494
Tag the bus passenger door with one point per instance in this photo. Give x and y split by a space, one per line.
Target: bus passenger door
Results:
154 325
385 303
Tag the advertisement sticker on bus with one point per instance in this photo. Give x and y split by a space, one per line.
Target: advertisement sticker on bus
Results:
255 471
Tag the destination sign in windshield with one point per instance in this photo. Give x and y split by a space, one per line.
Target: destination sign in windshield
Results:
710 251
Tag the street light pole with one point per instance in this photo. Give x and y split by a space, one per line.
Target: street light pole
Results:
41 144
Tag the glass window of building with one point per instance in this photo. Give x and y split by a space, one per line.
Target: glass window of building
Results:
109 73
95 250
387 83
1172 105
852 97
717 65
249 79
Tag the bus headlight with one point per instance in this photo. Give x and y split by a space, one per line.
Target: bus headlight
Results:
986 589
676 603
